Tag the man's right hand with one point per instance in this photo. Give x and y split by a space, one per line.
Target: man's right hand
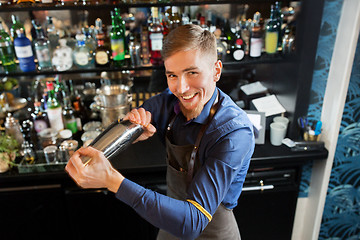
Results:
142 117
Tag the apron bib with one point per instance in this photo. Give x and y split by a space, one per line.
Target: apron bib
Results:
179 160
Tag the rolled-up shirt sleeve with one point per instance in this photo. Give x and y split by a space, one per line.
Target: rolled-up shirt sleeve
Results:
226 164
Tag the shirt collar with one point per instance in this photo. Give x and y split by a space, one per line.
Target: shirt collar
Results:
202 118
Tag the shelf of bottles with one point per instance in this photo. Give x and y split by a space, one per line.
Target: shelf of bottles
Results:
29 5
95 50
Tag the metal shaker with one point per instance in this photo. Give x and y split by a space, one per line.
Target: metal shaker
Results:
115 138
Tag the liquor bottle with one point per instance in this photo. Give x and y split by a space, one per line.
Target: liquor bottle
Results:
40 118
245 34
52 33
41 45
288 41
134 50
54 109
203 23
69 116
24 52
28 153
6 51
60 89
175 19
62 57
272 33
255 40
117 36
237 50
144 42
220 47
90 42
228 33
79 115
16 24
83 58
279 16
102 53
156 37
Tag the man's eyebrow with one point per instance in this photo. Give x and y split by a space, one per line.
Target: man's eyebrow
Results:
185 70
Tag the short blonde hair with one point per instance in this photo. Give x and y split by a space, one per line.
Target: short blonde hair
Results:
189 37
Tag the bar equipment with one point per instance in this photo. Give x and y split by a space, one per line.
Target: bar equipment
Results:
115 138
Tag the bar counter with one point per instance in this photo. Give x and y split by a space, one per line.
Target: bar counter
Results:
51 205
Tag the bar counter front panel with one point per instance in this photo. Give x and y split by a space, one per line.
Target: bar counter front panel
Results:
51 205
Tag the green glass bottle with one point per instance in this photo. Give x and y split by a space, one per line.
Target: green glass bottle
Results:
16 24
7 54
117 39
121 23
69 116
272 33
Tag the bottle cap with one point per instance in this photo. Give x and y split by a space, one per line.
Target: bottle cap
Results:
65 134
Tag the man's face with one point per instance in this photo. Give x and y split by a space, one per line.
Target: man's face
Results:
192 77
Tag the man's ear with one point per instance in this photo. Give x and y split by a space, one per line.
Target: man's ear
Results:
218 68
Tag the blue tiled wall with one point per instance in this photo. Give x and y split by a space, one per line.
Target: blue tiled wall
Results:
341 217
329 24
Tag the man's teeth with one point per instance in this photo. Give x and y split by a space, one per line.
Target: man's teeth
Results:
189 96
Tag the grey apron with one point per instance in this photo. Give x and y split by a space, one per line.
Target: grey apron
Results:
182 163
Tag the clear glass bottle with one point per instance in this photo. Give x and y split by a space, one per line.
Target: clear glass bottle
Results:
90 42
83 58
271 33
155 37
62 59
6 51
256 41
28 153
54 109
117 39
13 128
42 50
52 34
24 52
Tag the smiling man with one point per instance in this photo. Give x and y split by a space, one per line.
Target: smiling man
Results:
208 139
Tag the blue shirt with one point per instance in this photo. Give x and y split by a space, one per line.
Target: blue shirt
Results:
224 153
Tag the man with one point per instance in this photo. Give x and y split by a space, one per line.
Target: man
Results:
209 143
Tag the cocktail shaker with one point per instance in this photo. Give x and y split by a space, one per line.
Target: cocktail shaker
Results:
115 138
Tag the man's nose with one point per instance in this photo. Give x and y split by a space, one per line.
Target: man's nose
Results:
182 85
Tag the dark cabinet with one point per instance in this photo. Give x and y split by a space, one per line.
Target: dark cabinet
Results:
31 212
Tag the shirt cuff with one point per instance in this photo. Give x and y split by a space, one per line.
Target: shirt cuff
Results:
129 192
